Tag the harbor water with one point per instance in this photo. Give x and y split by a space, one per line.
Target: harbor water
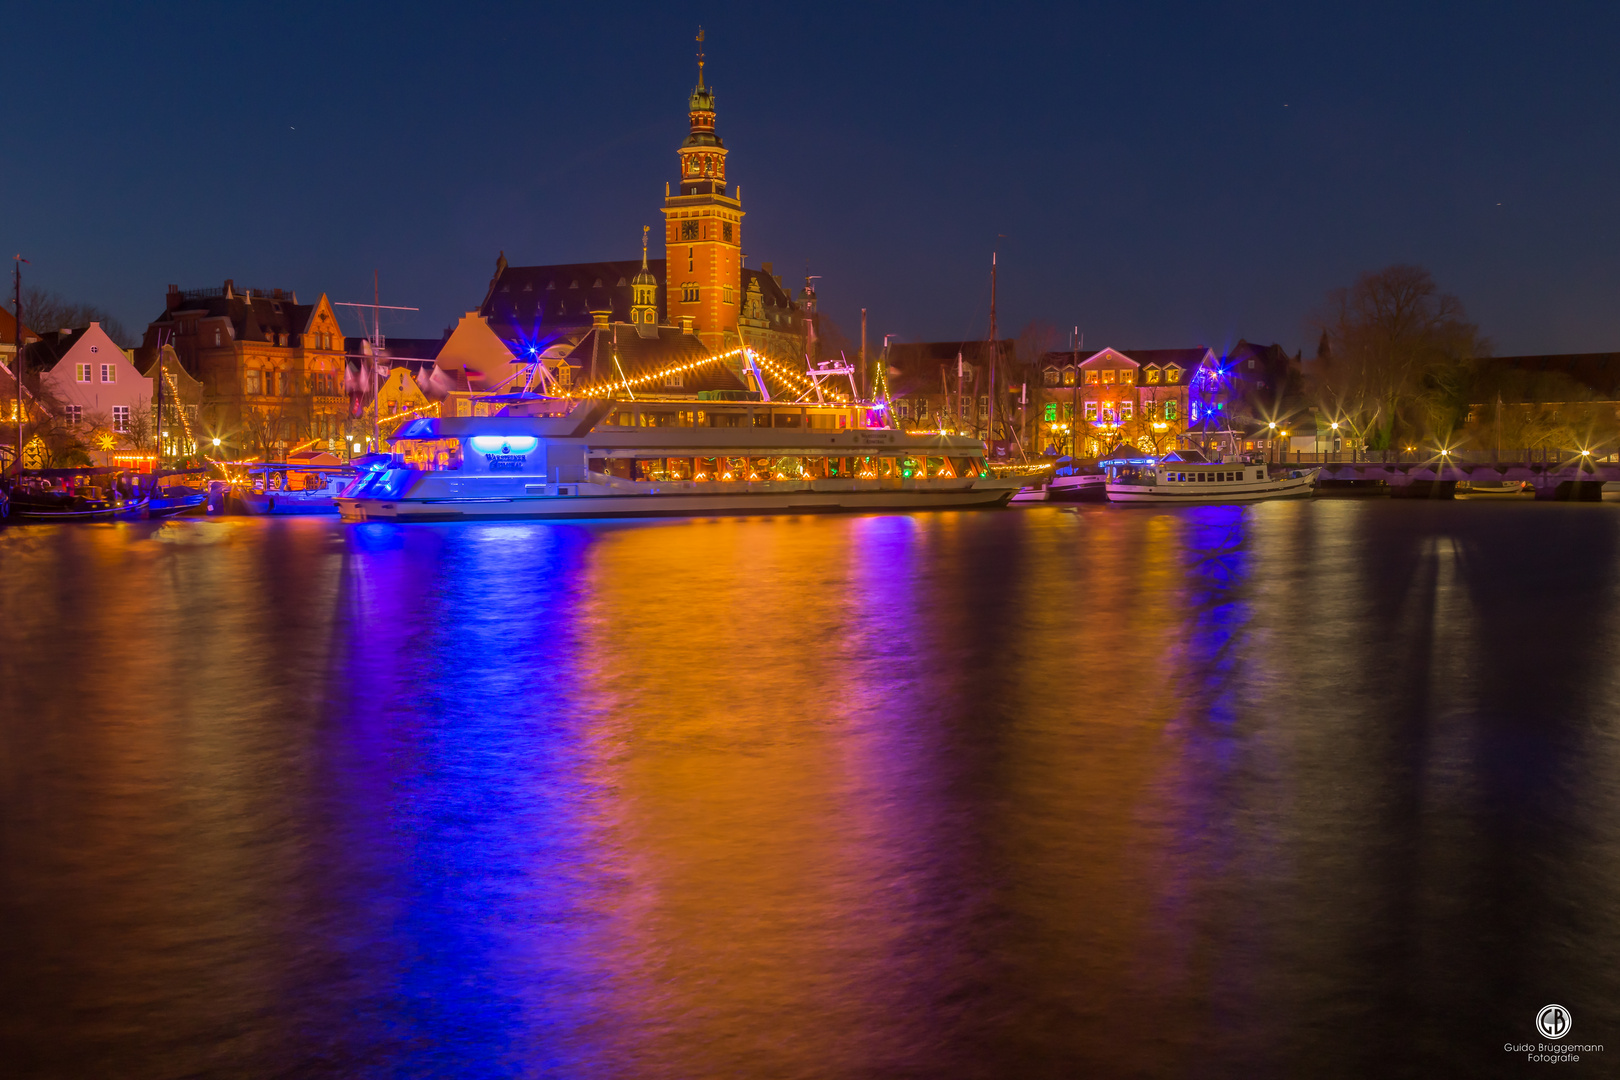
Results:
1319 788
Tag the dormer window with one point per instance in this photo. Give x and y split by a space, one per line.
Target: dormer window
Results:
1052 376
1172 374
1153 375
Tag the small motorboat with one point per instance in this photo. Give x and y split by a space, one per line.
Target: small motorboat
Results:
173 498
1486 489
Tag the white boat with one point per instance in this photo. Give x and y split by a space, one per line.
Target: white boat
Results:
1083 487
718 459
1186 476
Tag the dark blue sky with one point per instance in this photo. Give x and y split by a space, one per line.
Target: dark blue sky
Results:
1164 175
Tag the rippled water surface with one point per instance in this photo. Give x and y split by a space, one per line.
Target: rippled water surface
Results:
1325 788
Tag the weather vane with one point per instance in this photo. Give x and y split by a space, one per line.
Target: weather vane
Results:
700 55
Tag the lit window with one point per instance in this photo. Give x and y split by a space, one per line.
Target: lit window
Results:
1152 374
1127 409
1172 374
120 418
1170 410
1091 411
1108 375
1051 412
83 372
674 380
109 373
1091 377
216 335
1127 376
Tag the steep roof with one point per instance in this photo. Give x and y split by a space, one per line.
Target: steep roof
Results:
533 299
8 329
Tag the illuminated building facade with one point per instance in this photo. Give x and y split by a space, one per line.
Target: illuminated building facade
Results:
700 282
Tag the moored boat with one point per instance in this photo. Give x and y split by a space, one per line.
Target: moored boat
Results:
605 458
1186 476
280 488
82 494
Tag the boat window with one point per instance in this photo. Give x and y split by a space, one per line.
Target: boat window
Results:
705 468
651 468
941 468
967 467
678 468
432 455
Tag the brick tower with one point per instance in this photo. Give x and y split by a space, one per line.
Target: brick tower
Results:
703 231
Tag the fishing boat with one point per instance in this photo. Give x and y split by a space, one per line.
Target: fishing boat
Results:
278 488
608 458
63 495
1187 476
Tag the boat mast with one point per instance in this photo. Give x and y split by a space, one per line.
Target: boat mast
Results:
990 418
1075 342
17 357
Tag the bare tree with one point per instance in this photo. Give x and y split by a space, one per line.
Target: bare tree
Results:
1396 356
43 312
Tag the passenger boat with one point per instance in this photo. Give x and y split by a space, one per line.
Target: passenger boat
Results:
610 458
281 488
1186 476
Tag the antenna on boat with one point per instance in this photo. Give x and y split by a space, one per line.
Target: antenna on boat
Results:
17 357
377 308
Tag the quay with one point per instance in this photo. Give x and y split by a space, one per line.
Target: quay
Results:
1414 475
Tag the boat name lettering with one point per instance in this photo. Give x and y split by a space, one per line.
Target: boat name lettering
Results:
507 462
871 438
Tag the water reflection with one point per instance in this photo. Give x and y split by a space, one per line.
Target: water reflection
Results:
1224 791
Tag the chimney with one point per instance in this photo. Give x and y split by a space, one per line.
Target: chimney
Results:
230 289
767 268
172 301
276 293
600 318
686 325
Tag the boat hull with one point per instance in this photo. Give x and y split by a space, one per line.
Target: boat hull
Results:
277 504
677 504
1293 487
1089 488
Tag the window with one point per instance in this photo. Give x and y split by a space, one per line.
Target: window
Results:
95 348
250 384
1051 412
1091 411
1153 375
727 294
1127 410
1127 377
1051 377
109 373
1251 363
82 372
725 234
689 293
1172 374
1091 377
689 230
691 254
120 418
1068 376
1170 410
75 414
674 380
1108 375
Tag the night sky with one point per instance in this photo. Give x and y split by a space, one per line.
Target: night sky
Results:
1162 175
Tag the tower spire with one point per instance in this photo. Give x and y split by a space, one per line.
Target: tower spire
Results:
644 229
700 57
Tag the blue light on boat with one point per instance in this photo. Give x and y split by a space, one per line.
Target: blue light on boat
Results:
504 444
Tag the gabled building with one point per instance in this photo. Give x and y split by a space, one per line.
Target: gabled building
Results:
272 369
95 383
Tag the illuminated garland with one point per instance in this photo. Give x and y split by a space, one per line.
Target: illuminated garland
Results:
601 389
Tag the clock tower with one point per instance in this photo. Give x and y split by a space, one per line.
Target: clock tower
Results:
703 231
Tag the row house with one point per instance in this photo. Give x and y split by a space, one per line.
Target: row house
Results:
1142 397
273 371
